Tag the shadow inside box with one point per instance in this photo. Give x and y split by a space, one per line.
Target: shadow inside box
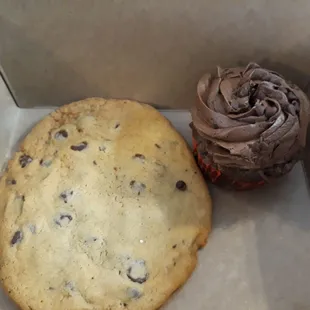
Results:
287 199
5 302
275 223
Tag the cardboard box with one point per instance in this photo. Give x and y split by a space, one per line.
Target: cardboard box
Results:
54 52
258 253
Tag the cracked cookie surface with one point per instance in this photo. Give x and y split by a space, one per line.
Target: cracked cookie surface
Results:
102 208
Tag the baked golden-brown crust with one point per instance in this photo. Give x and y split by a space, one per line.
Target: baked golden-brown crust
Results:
102 208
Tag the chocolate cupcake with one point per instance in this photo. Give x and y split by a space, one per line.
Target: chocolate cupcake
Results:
249 126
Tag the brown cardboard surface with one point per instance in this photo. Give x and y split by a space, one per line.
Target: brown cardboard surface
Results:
54 52
258 253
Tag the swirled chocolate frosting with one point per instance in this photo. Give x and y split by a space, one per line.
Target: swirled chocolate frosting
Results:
250 118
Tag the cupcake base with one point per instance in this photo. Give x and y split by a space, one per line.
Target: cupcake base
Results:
220 178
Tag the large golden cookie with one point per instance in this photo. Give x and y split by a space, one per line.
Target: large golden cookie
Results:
103 208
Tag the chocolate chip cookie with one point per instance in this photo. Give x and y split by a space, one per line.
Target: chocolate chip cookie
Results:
102 208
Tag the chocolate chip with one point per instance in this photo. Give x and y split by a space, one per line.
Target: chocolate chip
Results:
17 238
137 272
158 146
66 216
45 163
117 125
137 187
79 147
10 182
51 288
181 185
174 246
63 220
139 157
24 160
61 134
133 293
66 195
95 163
